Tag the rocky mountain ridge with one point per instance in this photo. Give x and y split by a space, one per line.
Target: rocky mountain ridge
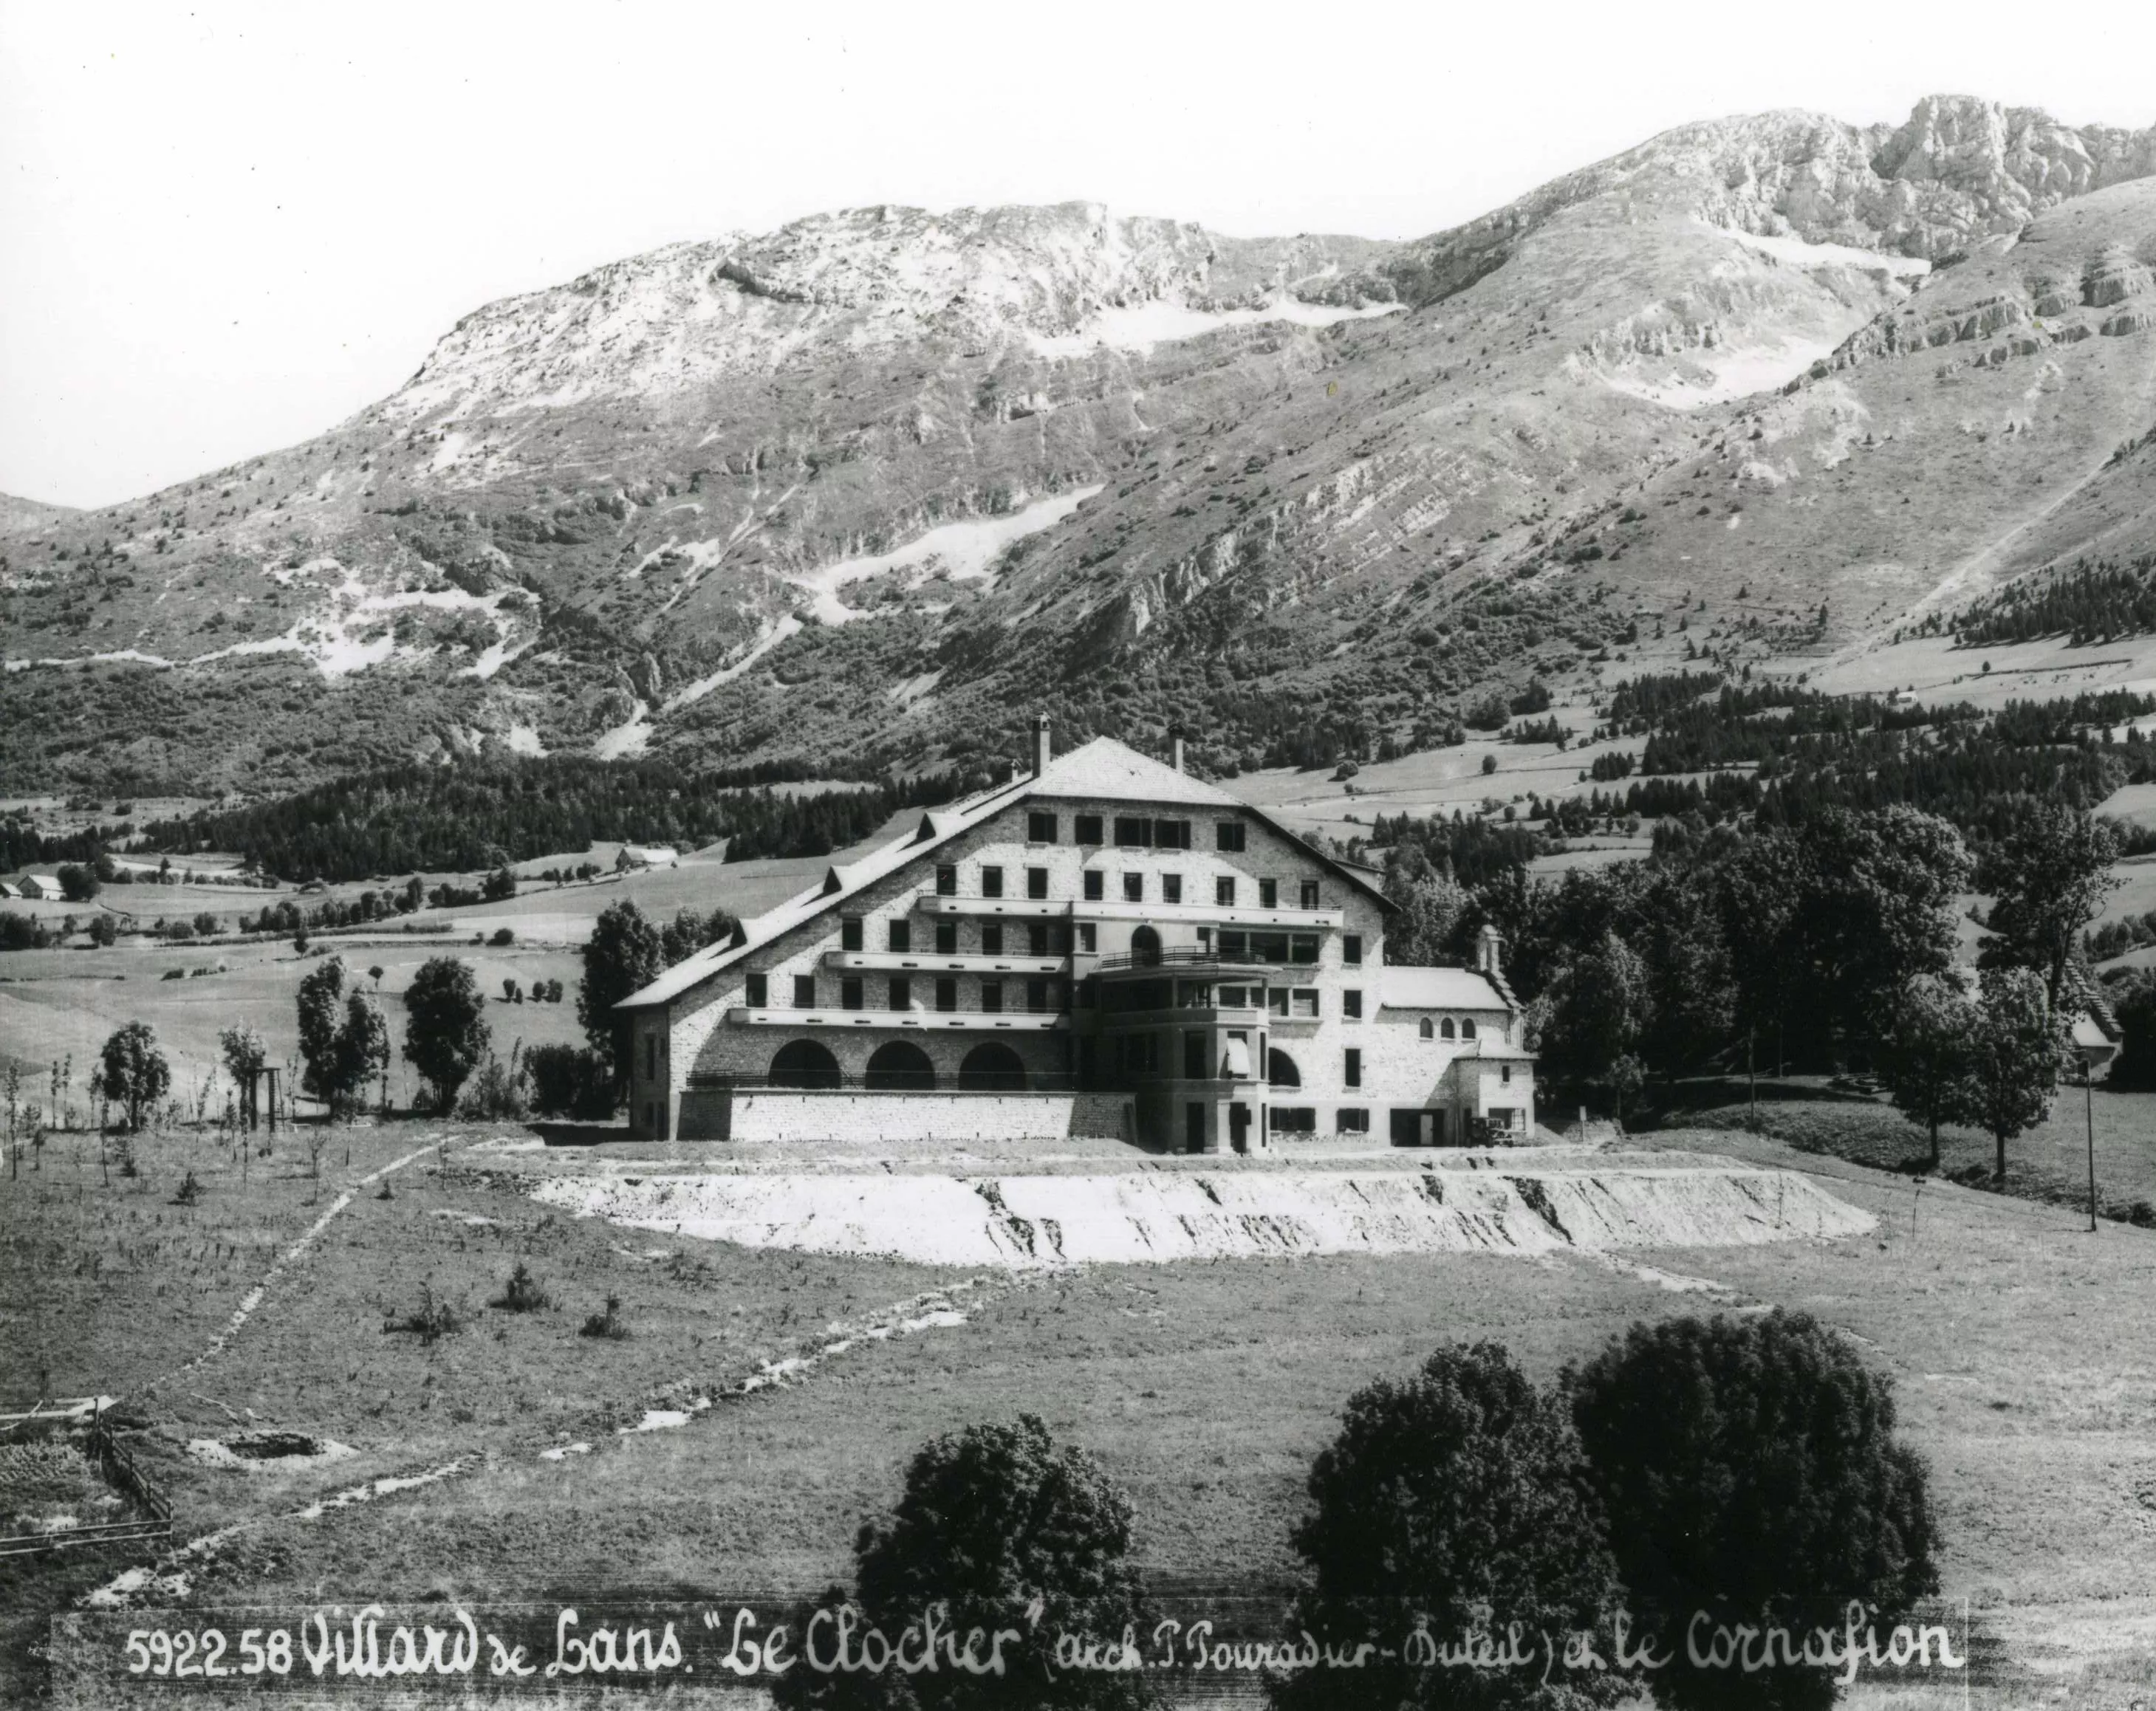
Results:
872 487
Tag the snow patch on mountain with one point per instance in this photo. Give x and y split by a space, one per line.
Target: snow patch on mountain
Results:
1137 327
1799 253
960 551
788 625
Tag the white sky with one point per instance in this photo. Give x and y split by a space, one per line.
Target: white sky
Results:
223 229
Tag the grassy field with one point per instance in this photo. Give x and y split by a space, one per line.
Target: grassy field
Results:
2025 1355
2049 1164
64 1002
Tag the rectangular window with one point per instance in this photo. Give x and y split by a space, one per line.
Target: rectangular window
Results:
1087 938
1087 828
992 996
1306 1002
1036 997
901 935
901 993
1171 834
1036 939
756 992
1268 894
1133 833
1095 885
1302 948
849 992
804 991
1133 888
1227 836
1235 945
1351 1071
1223 892
651 1057
1171 887
1349 1120
1351 1003
1193 1057
946 993
992 938
1039 827
1308 893
1036 883
946 938
1294 1119
849 932
1276 1000
992 882
1351 949
946 880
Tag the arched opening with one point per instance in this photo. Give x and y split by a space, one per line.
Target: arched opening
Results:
804 1063
1467 1029
1281 1070
1448 1029
1145 947
899 1066
1428 1031
992 1067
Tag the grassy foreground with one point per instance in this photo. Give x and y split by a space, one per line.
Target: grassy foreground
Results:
2025 1352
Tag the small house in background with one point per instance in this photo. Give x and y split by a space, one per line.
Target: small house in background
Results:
8 888
636 856
41 885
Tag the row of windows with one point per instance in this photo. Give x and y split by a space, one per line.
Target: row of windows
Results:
1301 1003
1225 892
1131 832
1302 1119
1443 1030
1039 937
1041 996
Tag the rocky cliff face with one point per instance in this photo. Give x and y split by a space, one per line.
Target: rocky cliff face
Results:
881 482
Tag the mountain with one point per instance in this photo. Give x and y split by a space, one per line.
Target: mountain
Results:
878 485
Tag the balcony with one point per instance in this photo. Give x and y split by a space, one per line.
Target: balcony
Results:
912 1020
1036 1081
1191 956
1020 909
928 962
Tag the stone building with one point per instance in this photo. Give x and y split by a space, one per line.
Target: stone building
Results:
1105 945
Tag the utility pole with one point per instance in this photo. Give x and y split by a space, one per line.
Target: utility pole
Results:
2088 1102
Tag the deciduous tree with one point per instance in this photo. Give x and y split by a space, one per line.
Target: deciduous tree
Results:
1928 1060
624 954
2021 1048
132 1071
445 1032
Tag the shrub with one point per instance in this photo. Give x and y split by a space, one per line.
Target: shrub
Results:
503 935
1489 765
1461 1495
523 1293
1751 1464
568 1081
495 1094
607 1325
190 1192
432 1320
992 1518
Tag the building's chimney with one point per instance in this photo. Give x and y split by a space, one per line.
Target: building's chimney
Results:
1175 749
1489 949
1039 744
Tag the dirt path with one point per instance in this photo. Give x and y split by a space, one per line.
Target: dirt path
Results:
253 1300
1964 575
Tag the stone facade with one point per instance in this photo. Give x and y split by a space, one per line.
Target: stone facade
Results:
1107 925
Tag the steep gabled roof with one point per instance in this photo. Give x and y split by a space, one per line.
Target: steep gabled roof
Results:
1405 988
1102 769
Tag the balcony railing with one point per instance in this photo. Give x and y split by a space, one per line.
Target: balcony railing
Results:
1189 955
897 1081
